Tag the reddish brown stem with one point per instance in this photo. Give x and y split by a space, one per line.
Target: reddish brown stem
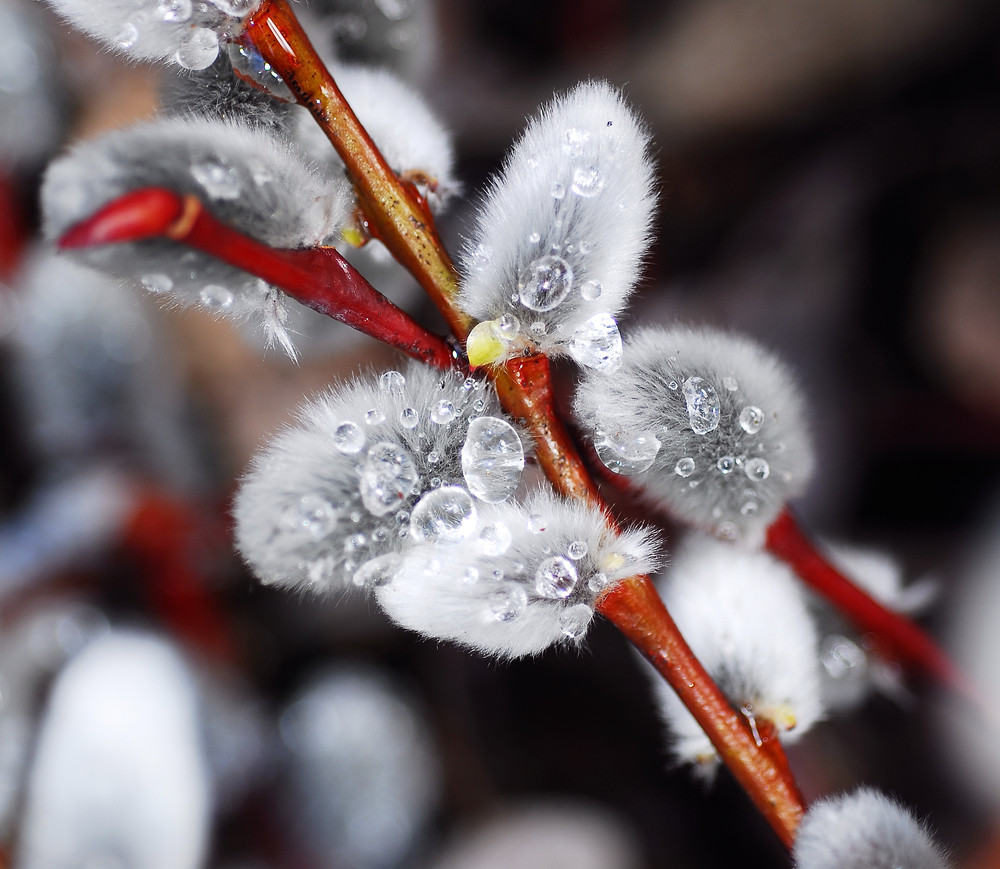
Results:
319 277
13 228
395 213
896 636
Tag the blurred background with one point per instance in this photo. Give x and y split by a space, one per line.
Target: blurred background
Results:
830 184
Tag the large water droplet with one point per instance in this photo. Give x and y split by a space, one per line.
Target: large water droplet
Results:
556 577
409 417
157 283
443 412
598 582
591 290
444 515
219 180
494 539
348 438
725 464
587 182
574 621
199 50
392 382
374 417
626 452
549 280
702 405
842 658
597 344
508 602
492 459
216 298
127 36
388 476
377 571
174 10
751 419
757 469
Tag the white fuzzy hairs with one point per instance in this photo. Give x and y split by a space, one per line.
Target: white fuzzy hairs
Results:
710 423
745 617
564 229
864 830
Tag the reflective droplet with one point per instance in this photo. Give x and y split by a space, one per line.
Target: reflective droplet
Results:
388 476
199 50
444 515
377 571
534 238
494 539
577 549
574 621
492 459
174 10
702 405
443 412
751 419
316 515
216 298
626 452
727 531
597 344
394 10
409 417
508 327
725 465
536 523
481 257
392 383
538 328
672 384
684 467
749 508
157 283
587 182
730 383
575 141
757 469
842 658
219 180
433 458
470 575
558 191
549 281
598 582
374 417
508 602
348 438
127 36
556 577
591 290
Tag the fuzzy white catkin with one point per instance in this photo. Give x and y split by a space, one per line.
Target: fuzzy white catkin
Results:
710 423
179 31
864 830
564 228
745 618
118 775
246 177
527 578
303 518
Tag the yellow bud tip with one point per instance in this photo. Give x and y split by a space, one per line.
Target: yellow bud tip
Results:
484 346
782 717
354 236
612 561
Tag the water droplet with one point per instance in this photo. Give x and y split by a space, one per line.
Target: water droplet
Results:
598 582
492 459
626 452
672 384
355 542
727 531
392 383
508 602
749 508
374 417
481 257
348 438
508 326
216 298
433 458
577 550
127 36
751 419
157 283
494 539
575 620
443 412
730 383
316 515
702 405
538 328
556 577
470 575
549 281
757 469
591 290
536 523
684 467
388 476
587 182
219 180
842 658
394 10
597 344
199 50
725 465
534 238
377 571
575 141
444 515
174 10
